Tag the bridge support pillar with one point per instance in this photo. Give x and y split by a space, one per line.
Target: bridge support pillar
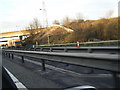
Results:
20 37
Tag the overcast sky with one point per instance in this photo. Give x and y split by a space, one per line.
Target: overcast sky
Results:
17 14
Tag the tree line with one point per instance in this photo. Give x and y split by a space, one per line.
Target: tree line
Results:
84 30
102 29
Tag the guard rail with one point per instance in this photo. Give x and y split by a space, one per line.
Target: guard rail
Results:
109 62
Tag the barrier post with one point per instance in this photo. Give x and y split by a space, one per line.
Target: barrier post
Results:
9 55
22 59
43 65
115 80
12 56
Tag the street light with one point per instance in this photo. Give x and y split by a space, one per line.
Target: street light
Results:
46 20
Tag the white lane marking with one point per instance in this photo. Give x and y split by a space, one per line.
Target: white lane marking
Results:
67 71
16 81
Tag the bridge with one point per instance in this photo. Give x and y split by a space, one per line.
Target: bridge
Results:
15 34
28 32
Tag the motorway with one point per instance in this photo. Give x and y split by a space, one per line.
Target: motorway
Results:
57 75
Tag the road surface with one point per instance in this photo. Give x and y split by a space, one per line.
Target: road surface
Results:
31 75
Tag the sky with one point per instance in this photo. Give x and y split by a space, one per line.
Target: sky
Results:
17 14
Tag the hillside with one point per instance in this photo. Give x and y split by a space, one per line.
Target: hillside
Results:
56 35
102 29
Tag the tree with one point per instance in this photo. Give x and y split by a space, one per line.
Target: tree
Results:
111 30
36 23
56 22
31 29
79 17
33 26
66 21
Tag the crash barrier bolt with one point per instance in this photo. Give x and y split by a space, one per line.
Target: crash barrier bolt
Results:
51 50
65 50
41 49
89 50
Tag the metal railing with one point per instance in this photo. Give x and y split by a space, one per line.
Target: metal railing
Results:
108 62
81 43
107 50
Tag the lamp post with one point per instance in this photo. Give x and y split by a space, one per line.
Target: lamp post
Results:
46 21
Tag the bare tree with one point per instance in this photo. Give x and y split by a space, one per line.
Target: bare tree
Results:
31 28
66 21
80 16
34 26
36 23
56 22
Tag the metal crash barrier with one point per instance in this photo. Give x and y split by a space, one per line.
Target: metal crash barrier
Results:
108 62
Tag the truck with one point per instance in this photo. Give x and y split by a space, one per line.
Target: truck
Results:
14 43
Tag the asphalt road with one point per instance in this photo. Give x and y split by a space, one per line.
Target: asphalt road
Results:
32 76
